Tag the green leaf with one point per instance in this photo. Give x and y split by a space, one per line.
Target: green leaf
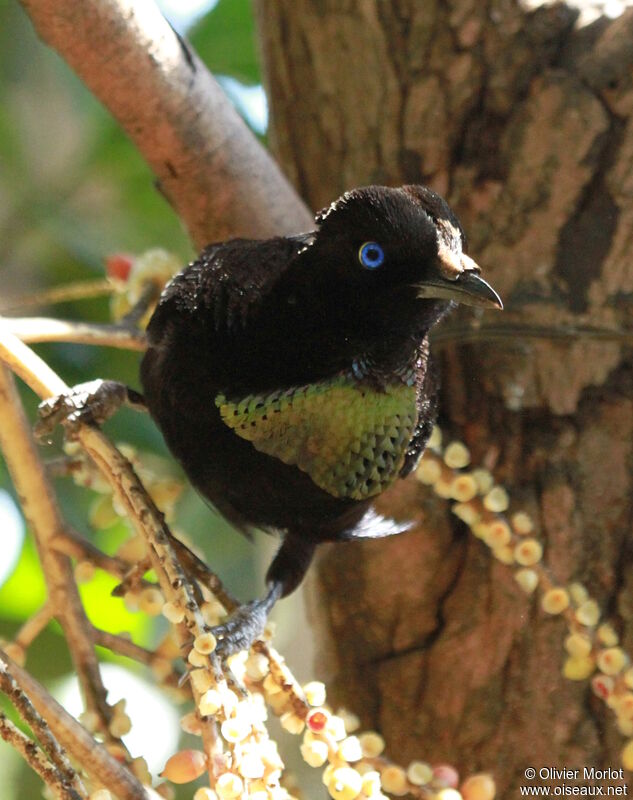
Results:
225 40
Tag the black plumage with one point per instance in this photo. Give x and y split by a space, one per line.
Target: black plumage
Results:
291 377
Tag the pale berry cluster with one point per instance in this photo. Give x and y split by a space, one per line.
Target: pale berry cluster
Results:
592 648
133 276
155 473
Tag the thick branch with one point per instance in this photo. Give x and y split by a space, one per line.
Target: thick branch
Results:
218 178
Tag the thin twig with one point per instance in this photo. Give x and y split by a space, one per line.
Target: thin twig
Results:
10 686
78 290
34 626
73 544
46 329
36 759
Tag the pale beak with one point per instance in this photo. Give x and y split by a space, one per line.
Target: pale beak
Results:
458 279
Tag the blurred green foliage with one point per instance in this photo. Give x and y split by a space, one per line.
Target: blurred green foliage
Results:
72 190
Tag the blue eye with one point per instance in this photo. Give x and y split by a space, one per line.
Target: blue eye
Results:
371 255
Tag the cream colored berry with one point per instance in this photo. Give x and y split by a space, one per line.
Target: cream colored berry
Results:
588 613
578 668
235 729
528 552
270 685
190 723
555 600
612 660
496 500
577 644
435 439
120 725
464 488
315 693
578 593
335 727
624 707
372 744
173 612
419 773
505 554
456 455
448 794
251 766
627 755
444 488
84 571
527 579
350 720
350 749
345 784
372 784
607 635
229 786
257 666
498 534
151 601
132 550
292 722
131 600
394 780
205 643
204 793
625 726
478 787
141 770
466 512
522 523
314 753
89 719
429 471
196 659
484 480
201 680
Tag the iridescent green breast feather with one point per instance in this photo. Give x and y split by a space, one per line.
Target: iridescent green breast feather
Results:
350 438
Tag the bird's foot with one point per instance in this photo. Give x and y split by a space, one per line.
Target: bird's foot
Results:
245 624
90 403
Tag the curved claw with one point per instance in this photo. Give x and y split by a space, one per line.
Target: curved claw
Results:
90 403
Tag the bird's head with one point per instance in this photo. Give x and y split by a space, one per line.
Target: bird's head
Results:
397 248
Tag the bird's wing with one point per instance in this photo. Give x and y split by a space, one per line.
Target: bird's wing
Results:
229 279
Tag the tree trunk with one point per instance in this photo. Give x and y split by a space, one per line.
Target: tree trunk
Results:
524 122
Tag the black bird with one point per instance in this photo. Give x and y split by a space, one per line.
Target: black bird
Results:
291 376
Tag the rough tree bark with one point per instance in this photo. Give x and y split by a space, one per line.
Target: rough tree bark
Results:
526 124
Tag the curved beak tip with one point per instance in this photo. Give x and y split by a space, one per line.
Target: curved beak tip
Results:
469 289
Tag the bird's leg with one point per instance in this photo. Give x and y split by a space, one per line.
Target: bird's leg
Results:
285 573
87 403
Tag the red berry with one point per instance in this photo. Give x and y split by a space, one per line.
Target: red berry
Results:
316 720
119 265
